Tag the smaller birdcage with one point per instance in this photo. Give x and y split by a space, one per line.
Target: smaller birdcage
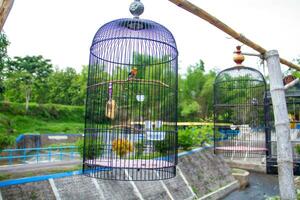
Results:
239 112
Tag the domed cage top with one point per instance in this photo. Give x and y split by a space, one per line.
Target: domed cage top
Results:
131 105
240 113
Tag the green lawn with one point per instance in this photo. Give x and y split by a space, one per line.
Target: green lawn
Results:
43 118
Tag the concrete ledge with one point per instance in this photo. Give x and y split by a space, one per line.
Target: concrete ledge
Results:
242 176
221 192
255 167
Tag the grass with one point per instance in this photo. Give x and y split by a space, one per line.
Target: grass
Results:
42 118
29 124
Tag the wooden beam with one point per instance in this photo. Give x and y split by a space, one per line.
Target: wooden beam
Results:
225 28
5 7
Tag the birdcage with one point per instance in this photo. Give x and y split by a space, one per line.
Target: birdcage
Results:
131 105
292 96
240 113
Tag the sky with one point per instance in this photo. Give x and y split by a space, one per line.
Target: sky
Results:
62 30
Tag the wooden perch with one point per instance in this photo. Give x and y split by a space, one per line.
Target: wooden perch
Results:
151 82
225 28
5 7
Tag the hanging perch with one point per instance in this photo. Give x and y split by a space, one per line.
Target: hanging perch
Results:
150 82
225 28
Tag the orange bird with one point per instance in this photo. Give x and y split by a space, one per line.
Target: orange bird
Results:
132 74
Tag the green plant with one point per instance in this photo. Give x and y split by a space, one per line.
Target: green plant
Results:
5 141
206 135
139 148
187 138
91 150
6 135
166 145
297 148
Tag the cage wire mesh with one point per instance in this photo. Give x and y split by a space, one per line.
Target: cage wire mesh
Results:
292 96
240 124
131 105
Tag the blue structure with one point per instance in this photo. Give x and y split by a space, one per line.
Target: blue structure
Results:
38 155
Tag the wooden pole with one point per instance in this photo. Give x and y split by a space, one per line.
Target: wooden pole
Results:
5 7
225 28
282 127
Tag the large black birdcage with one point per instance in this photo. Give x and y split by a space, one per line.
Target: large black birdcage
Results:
240 107
131 106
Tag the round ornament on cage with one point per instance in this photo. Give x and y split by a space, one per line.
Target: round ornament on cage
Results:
131 104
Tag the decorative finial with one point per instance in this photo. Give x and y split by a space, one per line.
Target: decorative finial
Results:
136 8
238 57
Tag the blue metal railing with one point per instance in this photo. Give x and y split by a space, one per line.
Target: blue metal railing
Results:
38 155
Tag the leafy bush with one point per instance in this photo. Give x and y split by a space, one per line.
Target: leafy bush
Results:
139 148
92 150
122 147
187 138
5 141
6 132
206 135
166 145
297 148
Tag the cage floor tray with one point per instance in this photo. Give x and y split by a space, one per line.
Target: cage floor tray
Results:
241 148
137 163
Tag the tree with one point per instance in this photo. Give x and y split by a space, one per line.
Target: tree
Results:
3 59
67 86
196 93
28 71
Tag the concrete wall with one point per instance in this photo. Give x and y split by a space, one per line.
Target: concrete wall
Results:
43 140
199 174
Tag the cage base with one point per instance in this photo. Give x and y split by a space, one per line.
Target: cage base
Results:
131 164
242 148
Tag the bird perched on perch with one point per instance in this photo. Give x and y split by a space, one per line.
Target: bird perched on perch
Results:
132 74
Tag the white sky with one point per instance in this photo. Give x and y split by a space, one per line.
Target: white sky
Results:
62 30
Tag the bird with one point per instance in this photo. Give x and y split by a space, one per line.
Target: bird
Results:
132 74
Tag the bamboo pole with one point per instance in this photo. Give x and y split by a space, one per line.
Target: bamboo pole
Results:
282 127
5 7
225 28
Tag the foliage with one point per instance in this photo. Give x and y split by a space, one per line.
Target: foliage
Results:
5 141
139 148
122 147
297 148
91 150
45 111
187 138
25 72
80 145
206 135
196 93
67 87
166 146
3 60
43 118
6 132
194 136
